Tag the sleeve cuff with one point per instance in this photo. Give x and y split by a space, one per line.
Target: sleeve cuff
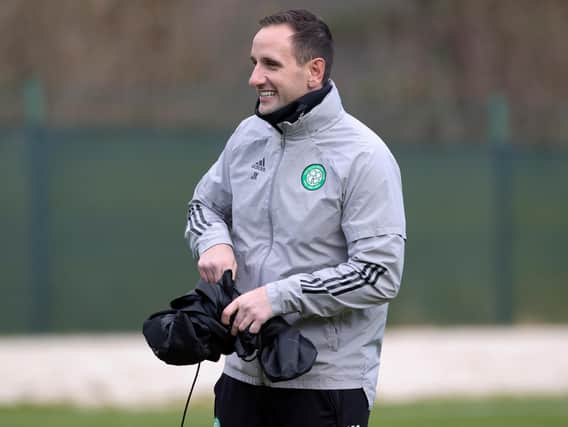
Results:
281 295
209 243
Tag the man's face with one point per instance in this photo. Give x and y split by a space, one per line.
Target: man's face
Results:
277 76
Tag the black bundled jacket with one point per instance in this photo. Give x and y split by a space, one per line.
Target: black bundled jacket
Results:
191 331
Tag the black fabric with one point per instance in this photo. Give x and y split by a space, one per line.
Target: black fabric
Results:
191 331
292 111
238 404
284 352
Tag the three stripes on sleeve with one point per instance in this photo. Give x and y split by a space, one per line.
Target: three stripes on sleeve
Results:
334 286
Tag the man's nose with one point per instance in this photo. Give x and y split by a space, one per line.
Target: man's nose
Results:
256 77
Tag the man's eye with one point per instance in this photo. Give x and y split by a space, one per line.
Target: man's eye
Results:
271 65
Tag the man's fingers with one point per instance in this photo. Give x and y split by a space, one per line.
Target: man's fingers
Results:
250 310
214 261
216 275
210 274
213 275
241 325
255 328
234 330
203 274
207 275
228 312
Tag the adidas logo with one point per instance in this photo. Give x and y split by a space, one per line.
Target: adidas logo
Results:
259 166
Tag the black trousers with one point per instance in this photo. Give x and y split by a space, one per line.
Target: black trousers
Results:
238 404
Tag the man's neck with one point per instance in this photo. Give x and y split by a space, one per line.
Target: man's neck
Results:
292 112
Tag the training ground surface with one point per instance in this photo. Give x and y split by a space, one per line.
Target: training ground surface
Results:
471 413
428 363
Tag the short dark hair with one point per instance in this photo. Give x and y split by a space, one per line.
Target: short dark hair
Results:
312 37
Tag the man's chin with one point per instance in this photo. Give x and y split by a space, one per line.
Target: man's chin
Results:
267 109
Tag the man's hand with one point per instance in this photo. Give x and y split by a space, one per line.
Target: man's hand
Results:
215 261
252 308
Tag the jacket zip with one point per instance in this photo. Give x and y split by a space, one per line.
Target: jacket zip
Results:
270 196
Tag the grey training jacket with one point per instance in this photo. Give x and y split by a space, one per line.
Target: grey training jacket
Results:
316 215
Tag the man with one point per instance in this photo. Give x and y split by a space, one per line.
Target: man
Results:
305 206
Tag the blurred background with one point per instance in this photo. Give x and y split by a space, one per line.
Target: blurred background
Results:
110 111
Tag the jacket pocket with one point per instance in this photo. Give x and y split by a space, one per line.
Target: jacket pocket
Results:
244 280
332 330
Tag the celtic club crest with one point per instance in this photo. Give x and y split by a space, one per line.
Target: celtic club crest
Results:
313 177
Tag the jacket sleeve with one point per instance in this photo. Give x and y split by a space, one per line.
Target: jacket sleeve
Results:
209 211
373 223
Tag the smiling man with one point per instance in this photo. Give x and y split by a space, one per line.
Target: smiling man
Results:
283 72
305 207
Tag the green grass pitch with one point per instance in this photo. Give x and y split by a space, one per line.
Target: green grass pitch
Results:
541 412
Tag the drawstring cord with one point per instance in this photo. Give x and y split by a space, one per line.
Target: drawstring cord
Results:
190 392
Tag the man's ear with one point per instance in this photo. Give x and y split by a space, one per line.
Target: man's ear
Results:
316 70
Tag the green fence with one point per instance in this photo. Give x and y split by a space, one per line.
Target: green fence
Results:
92 227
